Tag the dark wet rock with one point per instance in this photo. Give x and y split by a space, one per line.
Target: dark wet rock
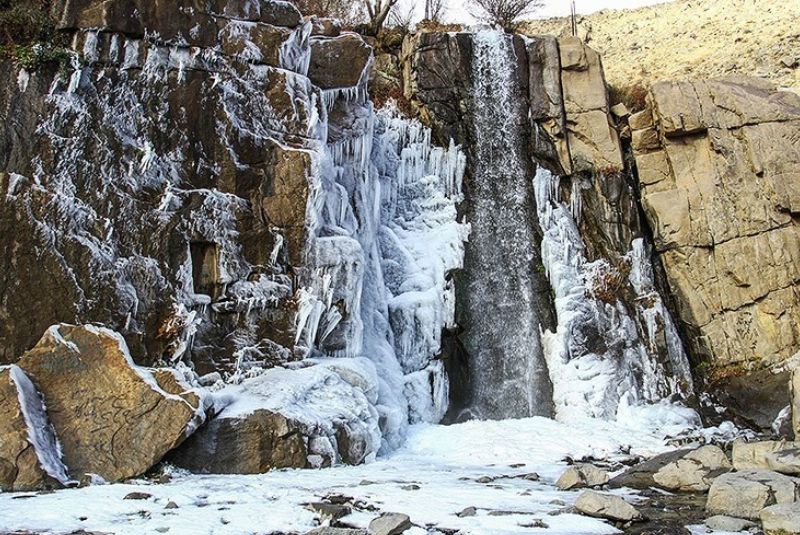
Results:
138 496
338 62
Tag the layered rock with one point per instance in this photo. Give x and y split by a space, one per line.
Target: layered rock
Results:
718 169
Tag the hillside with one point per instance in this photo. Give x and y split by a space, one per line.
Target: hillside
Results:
692 39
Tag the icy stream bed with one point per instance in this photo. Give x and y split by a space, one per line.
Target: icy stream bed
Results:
440 471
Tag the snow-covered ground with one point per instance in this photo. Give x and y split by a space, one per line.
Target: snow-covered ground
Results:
440 471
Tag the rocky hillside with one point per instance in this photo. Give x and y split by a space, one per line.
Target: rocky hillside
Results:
692 39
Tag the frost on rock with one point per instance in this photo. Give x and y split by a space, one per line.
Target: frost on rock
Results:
41 434
323 399
598 360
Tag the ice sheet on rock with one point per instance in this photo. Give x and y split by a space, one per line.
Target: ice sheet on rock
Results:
41 433
295 53
597 354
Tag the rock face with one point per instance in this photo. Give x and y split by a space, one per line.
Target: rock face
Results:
587 217
795 402
607 506
744 494
782 519
113 418
718 170
30 456
689 470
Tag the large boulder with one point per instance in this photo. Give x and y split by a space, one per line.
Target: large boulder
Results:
782 519
339 62
756 455
251 443
30 455
785 461
607 506
113 418
744 494
314 416
687 470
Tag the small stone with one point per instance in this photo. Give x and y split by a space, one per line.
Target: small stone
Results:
329 510
410 487
484 479
366 482
582 476
620 110
138 496
390 524
533 476
560 503
607 506
728 523
467 512
336 531
788 61
171 505
535 523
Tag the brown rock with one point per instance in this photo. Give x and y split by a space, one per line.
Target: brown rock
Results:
720 187
280 13
253 42
26 438
338 62
113 418
248 444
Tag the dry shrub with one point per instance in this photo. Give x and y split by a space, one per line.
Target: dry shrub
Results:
633 96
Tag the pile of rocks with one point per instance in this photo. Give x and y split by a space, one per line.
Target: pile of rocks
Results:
759 483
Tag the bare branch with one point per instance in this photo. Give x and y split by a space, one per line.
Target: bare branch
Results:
503 13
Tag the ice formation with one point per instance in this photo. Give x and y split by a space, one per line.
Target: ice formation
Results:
598 360
41 434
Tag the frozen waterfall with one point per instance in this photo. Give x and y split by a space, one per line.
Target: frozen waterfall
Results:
387 239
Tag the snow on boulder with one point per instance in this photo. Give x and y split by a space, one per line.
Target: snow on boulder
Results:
30 454
114 419
313 416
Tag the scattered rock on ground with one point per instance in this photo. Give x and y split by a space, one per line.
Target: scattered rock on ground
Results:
694 472
329 510
607 506
684 470
728 523
786 461
744 494
137 496
337 531
582 476
753 455
467 512
781 519
390 524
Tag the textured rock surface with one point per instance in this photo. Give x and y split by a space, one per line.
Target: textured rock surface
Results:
113 418
390 524
744 494
781 519
607 506
21 454
785 461
338 62
755 455
581 476
728 523
720 181
251 444
694 472
684 470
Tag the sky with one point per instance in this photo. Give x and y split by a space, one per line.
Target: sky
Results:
457 11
